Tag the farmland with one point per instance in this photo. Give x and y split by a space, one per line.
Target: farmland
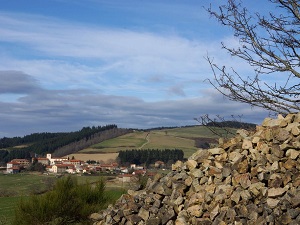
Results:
180 138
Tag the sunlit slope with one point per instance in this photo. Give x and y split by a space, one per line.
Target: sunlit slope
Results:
180 138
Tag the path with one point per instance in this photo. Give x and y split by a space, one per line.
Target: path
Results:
147 141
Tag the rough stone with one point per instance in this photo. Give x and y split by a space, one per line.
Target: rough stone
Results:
253 178
275 192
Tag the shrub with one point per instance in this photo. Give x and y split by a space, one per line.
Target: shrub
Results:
67 203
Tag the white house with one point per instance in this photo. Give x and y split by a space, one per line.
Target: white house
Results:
54 161
63 168
15 165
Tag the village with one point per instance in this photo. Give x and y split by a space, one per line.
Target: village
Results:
65 165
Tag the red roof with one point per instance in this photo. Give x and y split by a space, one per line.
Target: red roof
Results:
13 163
140 172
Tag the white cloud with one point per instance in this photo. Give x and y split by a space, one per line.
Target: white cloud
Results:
76 75
59 38
50 110
102 59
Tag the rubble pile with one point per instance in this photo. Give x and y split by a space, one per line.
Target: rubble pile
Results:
252 178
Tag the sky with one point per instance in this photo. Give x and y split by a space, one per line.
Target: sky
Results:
68 64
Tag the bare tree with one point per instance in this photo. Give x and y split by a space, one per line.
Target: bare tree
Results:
271 45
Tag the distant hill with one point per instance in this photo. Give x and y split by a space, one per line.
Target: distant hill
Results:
232 124
57 143
188 139
111 139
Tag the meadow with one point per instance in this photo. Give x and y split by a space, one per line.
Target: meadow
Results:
23 185
180 138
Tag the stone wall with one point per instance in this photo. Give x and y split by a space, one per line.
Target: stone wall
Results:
252 178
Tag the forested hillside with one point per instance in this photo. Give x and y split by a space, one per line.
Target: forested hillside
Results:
149 156
231 124
56 143
91 140
27 139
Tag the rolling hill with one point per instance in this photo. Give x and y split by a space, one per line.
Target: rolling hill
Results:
104 143
188 139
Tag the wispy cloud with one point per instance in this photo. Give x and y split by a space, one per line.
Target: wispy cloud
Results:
50 110
60 38
131 56
62 76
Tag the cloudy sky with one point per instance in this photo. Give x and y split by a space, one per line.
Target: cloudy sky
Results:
65 64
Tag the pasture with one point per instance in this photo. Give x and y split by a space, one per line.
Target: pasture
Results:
7 207
180 138
14 187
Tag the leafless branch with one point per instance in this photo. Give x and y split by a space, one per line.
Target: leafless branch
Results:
271 45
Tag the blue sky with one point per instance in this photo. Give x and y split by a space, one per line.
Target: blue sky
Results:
65 64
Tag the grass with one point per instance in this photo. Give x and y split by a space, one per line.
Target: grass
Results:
133 140
163 141
7 207
180 138
194 132
24 184
114 193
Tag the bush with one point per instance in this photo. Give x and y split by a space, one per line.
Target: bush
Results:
67 203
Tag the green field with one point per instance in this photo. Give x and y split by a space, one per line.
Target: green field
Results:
17 186
180 138
194 132
24 185
7 206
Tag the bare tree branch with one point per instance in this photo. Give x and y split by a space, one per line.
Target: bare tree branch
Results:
271 45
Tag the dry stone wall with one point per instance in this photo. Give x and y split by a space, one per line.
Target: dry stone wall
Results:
252 178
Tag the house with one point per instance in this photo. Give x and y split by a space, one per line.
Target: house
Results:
75 162
139 172
49 169
44 161
15 165
135 167
107 167
63 168
124 170
159 164
125 178
54 161
132 166
22 162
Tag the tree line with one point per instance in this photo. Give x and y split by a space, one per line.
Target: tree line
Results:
231 124
6 142
149 156
57 143
86 142
8 155
50 145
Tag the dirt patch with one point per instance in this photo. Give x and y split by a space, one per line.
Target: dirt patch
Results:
105 157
